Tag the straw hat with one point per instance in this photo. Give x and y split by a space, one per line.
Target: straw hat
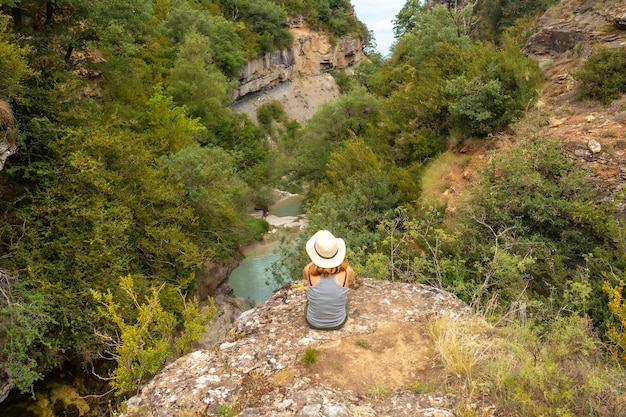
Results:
325 250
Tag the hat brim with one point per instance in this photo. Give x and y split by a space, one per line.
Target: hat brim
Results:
326 262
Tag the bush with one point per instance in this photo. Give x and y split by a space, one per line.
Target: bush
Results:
602 76
558 371
479 107
271 111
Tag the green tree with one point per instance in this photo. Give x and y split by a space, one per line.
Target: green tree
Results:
25 321
405 21
218 194
222 36
13 64
540 203
197 84
348 117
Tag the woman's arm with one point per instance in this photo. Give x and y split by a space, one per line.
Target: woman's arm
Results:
349 276
305 273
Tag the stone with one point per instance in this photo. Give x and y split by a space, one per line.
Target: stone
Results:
258 369
594 146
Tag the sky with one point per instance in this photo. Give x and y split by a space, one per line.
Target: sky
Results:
377 16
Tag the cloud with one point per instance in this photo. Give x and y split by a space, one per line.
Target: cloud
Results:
378 16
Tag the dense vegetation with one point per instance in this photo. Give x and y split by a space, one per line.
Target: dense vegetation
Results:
133 173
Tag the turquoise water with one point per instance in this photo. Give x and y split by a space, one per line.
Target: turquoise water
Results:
290 206
251 279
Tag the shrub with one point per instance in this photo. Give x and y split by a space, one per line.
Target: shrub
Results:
271 111
602 76
479 107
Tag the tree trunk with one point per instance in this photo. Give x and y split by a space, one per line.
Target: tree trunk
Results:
49 13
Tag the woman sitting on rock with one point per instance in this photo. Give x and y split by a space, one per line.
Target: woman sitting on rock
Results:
328 276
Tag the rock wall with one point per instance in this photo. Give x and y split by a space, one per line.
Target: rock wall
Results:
257 368
577 25
312 54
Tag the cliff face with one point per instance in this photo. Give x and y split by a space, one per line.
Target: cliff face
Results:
297 77
257 368
312 54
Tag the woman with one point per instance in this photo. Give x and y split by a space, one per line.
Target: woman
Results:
328 276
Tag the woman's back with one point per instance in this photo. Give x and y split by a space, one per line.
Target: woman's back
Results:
326 303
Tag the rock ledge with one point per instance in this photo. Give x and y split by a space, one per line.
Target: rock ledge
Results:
365 369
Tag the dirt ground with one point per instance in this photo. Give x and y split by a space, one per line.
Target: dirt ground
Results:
393 358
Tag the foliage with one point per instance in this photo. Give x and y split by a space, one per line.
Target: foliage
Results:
440 83
225 410
141 347
260 24
224 43
524 371
217 193
498 15
270 112
616 332
476 105
536 199
13 64
407 18
348 117
197 83
24 319
363 343
602 75
310 355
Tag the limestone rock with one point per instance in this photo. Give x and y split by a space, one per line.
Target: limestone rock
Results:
298 77
257 368
312 54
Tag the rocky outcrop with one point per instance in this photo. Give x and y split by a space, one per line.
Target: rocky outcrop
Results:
257 369
589 132
7 130
312 54
576 25
211 276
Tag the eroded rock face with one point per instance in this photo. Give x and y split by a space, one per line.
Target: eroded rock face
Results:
312 54
576 25
258 370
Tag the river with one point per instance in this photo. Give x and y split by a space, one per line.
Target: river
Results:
252 280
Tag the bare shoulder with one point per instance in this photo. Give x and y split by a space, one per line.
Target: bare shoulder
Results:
305 271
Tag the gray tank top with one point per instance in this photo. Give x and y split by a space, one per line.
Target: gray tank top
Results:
327 303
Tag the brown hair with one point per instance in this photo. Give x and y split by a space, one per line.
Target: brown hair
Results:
325 272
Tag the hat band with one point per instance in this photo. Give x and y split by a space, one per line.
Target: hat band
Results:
326 257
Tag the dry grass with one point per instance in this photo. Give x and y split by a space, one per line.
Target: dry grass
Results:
558 372
465 346
440 176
